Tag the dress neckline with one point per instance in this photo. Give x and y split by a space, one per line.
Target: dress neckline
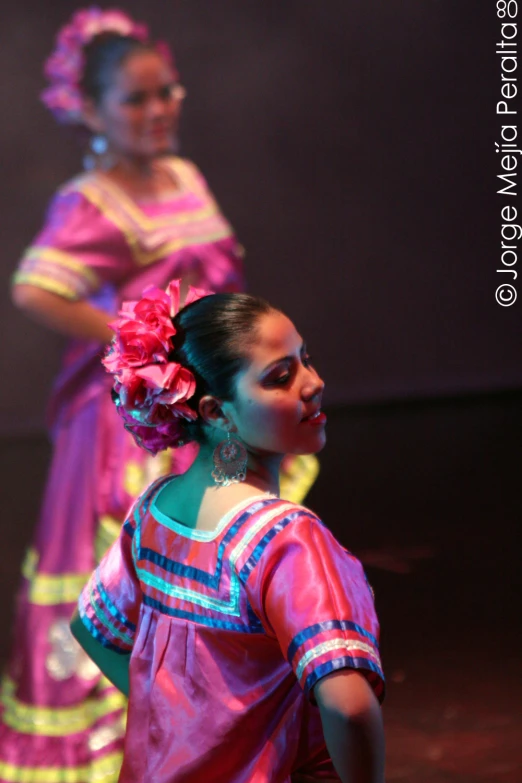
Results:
170 166
204 535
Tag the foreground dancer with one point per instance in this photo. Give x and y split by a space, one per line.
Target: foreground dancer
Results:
245 633
140 215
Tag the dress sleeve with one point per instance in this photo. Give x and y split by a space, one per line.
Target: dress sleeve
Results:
75 252
313 596
110 602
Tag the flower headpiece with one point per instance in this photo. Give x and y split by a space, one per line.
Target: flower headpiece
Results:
64 67
150 391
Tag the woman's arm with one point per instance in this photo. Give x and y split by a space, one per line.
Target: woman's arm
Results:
71 318
115 666
352 726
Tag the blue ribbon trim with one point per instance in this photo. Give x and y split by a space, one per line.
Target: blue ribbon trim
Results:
202 619
327 625
346 662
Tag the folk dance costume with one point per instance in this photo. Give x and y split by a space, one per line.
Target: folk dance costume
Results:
229 630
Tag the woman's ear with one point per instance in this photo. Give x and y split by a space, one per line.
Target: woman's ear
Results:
91 116
211 411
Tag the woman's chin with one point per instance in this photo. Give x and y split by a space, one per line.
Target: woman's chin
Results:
311 448
168 146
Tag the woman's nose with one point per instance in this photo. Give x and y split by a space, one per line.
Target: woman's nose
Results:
156 106
314 385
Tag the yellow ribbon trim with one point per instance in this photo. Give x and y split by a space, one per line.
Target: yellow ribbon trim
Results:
144 258
94 193
106 769
346 645
171 247
61 258
53 589
101 192
95 188
56 721
50 589
47 283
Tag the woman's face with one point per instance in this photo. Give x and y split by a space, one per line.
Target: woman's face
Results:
277 407
140 108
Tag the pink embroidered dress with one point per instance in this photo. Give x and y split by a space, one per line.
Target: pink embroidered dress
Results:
229 630
62 723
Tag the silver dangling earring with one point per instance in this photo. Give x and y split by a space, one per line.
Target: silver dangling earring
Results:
99 144
98 147
230 461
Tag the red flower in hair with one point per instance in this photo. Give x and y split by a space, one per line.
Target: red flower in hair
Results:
151 391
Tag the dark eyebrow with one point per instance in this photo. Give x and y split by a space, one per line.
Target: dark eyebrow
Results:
269 367
167 85
133 94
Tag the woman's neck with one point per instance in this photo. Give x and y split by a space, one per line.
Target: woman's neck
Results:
136 168
263 472
196 501
143 178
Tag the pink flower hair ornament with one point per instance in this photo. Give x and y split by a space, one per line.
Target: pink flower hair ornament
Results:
151 392
64 67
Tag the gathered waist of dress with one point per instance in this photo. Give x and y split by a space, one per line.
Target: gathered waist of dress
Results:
81 379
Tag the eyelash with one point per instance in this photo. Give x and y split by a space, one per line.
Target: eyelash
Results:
307 361
280 381
165 94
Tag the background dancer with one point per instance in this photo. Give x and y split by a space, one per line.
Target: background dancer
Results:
140 215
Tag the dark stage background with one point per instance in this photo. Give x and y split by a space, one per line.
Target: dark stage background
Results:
351 145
